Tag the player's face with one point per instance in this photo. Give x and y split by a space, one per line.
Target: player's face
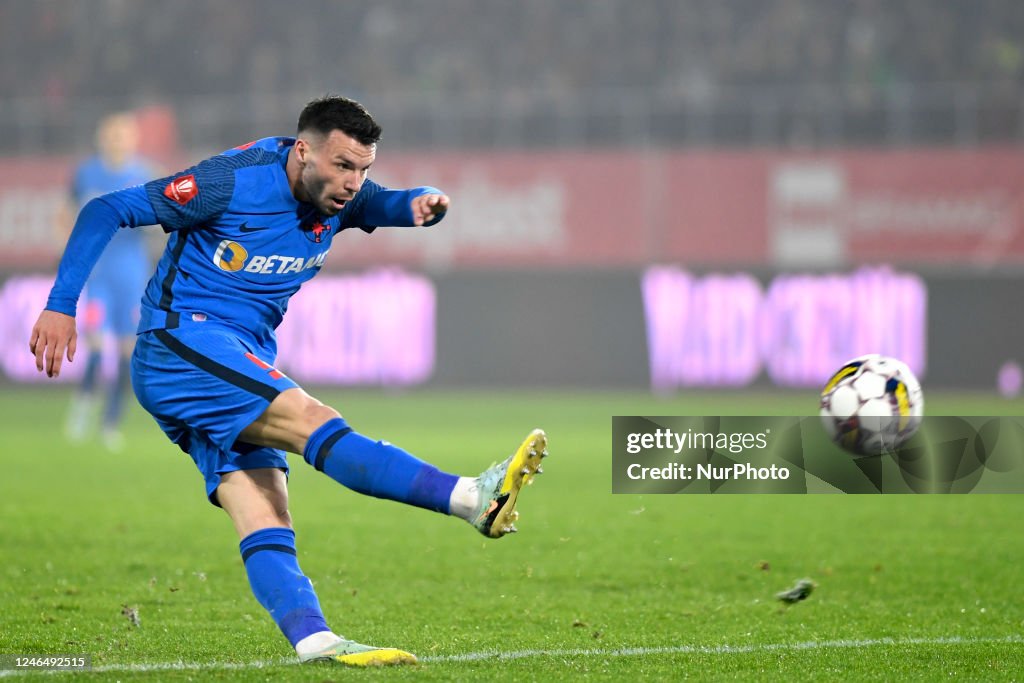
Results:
333 169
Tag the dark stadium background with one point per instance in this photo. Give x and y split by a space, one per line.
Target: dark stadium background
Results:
581 145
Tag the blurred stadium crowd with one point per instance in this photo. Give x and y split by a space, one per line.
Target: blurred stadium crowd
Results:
604 71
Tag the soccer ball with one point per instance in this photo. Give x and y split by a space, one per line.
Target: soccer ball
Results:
872 405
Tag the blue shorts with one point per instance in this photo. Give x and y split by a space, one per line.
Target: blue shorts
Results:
204 384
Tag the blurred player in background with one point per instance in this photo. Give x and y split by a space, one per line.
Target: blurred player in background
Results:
117 282
247 228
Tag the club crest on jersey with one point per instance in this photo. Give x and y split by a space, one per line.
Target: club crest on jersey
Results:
182 190
230 256
317 232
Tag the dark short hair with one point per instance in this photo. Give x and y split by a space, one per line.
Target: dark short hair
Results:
334 112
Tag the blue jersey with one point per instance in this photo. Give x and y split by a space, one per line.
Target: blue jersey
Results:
240 246
125 261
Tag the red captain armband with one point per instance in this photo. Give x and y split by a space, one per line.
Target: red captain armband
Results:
246 146
182 190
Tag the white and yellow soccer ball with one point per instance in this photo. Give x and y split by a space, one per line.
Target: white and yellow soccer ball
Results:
872 405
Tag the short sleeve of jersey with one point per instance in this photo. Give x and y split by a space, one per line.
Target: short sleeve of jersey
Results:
194 196
355 213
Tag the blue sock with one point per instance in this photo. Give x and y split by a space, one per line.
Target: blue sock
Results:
279 585
92 371
115 399
377 468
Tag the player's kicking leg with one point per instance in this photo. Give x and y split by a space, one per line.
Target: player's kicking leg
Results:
297 422
257 502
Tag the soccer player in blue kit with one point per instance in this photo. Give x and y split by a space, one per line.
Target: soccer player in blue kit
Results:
247 228
118 280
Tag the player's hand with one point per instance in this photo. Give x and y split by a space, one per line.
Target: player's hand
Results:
427 207
54 335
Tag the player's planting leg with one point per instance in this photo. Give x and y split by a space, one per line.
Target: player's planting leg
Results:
381 469
279 585
287 594
257 497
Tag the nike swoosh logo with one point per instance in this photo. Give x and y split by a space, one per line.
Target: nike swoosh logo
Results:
245 227
486 513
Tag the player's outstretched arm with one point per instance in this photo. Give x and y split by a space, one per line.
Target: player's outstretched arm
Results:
53 336
418 206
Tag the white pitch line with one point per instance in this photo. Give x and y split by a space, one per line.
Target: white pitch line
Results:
719 649
573 652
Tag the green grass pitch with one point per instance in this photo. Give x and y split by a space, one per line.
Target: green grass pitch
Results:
594 585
